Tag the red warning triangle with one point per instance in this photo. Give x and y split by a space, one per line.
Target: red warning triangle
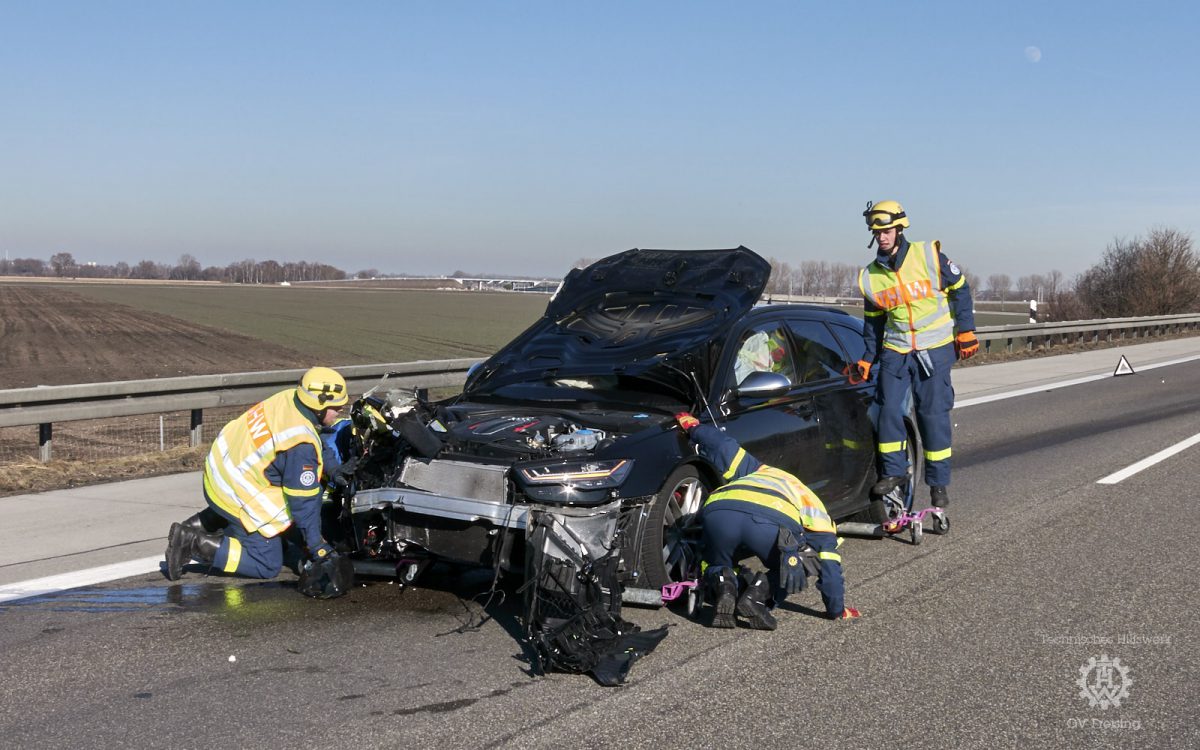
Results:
1123 367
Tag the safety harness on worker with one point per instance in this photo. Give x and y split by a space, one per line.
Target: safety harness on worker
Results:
919 311
235 474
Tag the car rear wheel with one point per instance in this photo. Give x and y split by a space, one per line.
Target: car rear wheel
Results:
671 543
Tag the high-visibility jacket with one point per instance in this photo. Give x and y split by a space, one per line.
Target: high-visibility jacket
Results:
917 309
235 474
755 482
780 491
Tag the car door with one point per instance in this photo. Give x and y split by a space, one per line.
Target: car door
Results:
844 445
780 431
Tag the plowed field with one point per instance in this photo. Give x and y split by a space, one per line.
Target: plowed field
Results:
52 336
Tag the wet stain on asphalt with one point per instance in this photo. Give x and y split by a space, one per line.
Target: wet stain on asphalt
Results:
444 706
437 708
286 670
95 600
185 597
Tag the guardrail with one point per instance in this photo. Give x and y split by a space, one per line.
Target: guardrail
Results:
45 405
1081 330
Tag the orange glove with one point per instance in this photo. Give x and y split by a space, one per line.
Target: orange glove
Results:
966 344
858 372
850 613
686 420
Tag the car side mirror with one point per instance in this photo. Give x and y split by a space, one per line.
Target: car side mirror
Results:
763 385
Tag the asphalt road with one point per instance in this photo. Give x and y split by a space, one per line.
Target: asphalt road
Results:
975 639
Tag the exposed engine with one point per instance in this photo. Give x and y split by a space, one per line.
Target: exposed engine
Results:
392 427
541 436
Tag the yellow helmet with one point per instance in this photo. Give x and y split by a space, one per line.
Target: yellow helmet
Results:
885 215
321 388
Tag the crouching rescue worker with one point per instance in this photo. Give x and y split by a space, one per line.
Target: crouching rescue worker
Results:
771 514
262 475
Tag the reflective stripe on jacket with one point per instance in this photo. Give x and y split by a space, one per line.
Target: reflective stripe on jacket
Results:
235 474
780 491
918 313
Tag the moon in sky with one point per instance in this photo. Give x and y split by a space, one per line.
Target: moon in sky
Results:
1033 54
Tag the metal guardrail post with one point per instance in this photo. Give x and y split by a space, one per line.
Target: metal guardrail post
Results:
197 427
45 441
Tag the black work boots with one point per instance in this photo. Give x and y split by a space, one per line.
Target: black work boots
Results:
938 497
722 587
184 544
207 521
887 484
727 605
753 604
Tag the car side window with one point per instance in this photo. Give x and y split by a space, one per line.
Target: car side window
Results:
764 349
851 340
818 354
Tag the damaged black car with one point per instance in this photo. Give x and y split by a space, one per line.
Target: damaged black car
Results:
562 449
576 413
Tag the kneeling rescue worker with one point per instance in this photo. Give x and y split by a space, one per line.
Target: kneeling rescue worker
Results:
769 513
261 476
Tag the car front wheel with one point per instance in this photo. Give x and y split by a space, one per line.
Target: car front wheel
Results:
671 543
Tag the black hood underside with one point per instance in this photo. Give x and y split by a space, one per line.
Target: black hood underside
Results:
645 316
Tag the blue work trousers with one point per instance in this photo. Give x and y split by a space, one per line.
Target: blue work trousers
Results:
247 553
734 529
933 396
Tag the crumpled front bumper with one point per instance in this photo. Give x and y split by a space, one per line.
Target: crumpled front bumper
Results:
420 502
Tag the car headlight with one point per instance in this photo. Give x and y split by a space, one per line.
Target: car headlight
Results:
582 474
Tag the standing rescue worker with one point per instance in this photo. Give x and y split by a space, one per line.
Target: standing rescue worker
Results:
262 475
771 514
919 319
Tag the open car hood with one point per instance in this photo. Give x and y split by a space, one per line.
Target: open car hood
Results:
628 320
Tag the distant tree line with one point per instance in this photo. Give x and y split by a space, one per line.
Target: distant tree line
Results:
63 265
1158 274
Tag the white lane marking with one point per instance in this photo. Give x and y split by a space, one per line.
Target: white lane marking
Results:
1062 384
102 574
1026 391
1149 461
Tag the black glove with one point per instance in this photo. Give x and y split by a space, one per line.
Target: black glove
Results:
327 578
341 476
792 576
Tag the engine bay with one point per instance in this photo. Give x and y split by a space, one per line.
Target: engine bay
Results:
394 427
529 435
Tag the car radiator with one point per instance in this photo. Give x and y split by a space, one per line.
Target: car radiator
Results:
458 479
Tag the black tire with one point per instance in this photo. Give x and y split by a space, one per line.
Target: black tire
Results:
876 512
941 523
671 539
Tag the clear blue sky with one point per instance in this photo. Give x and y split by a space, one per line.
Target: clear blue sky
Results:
519 136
